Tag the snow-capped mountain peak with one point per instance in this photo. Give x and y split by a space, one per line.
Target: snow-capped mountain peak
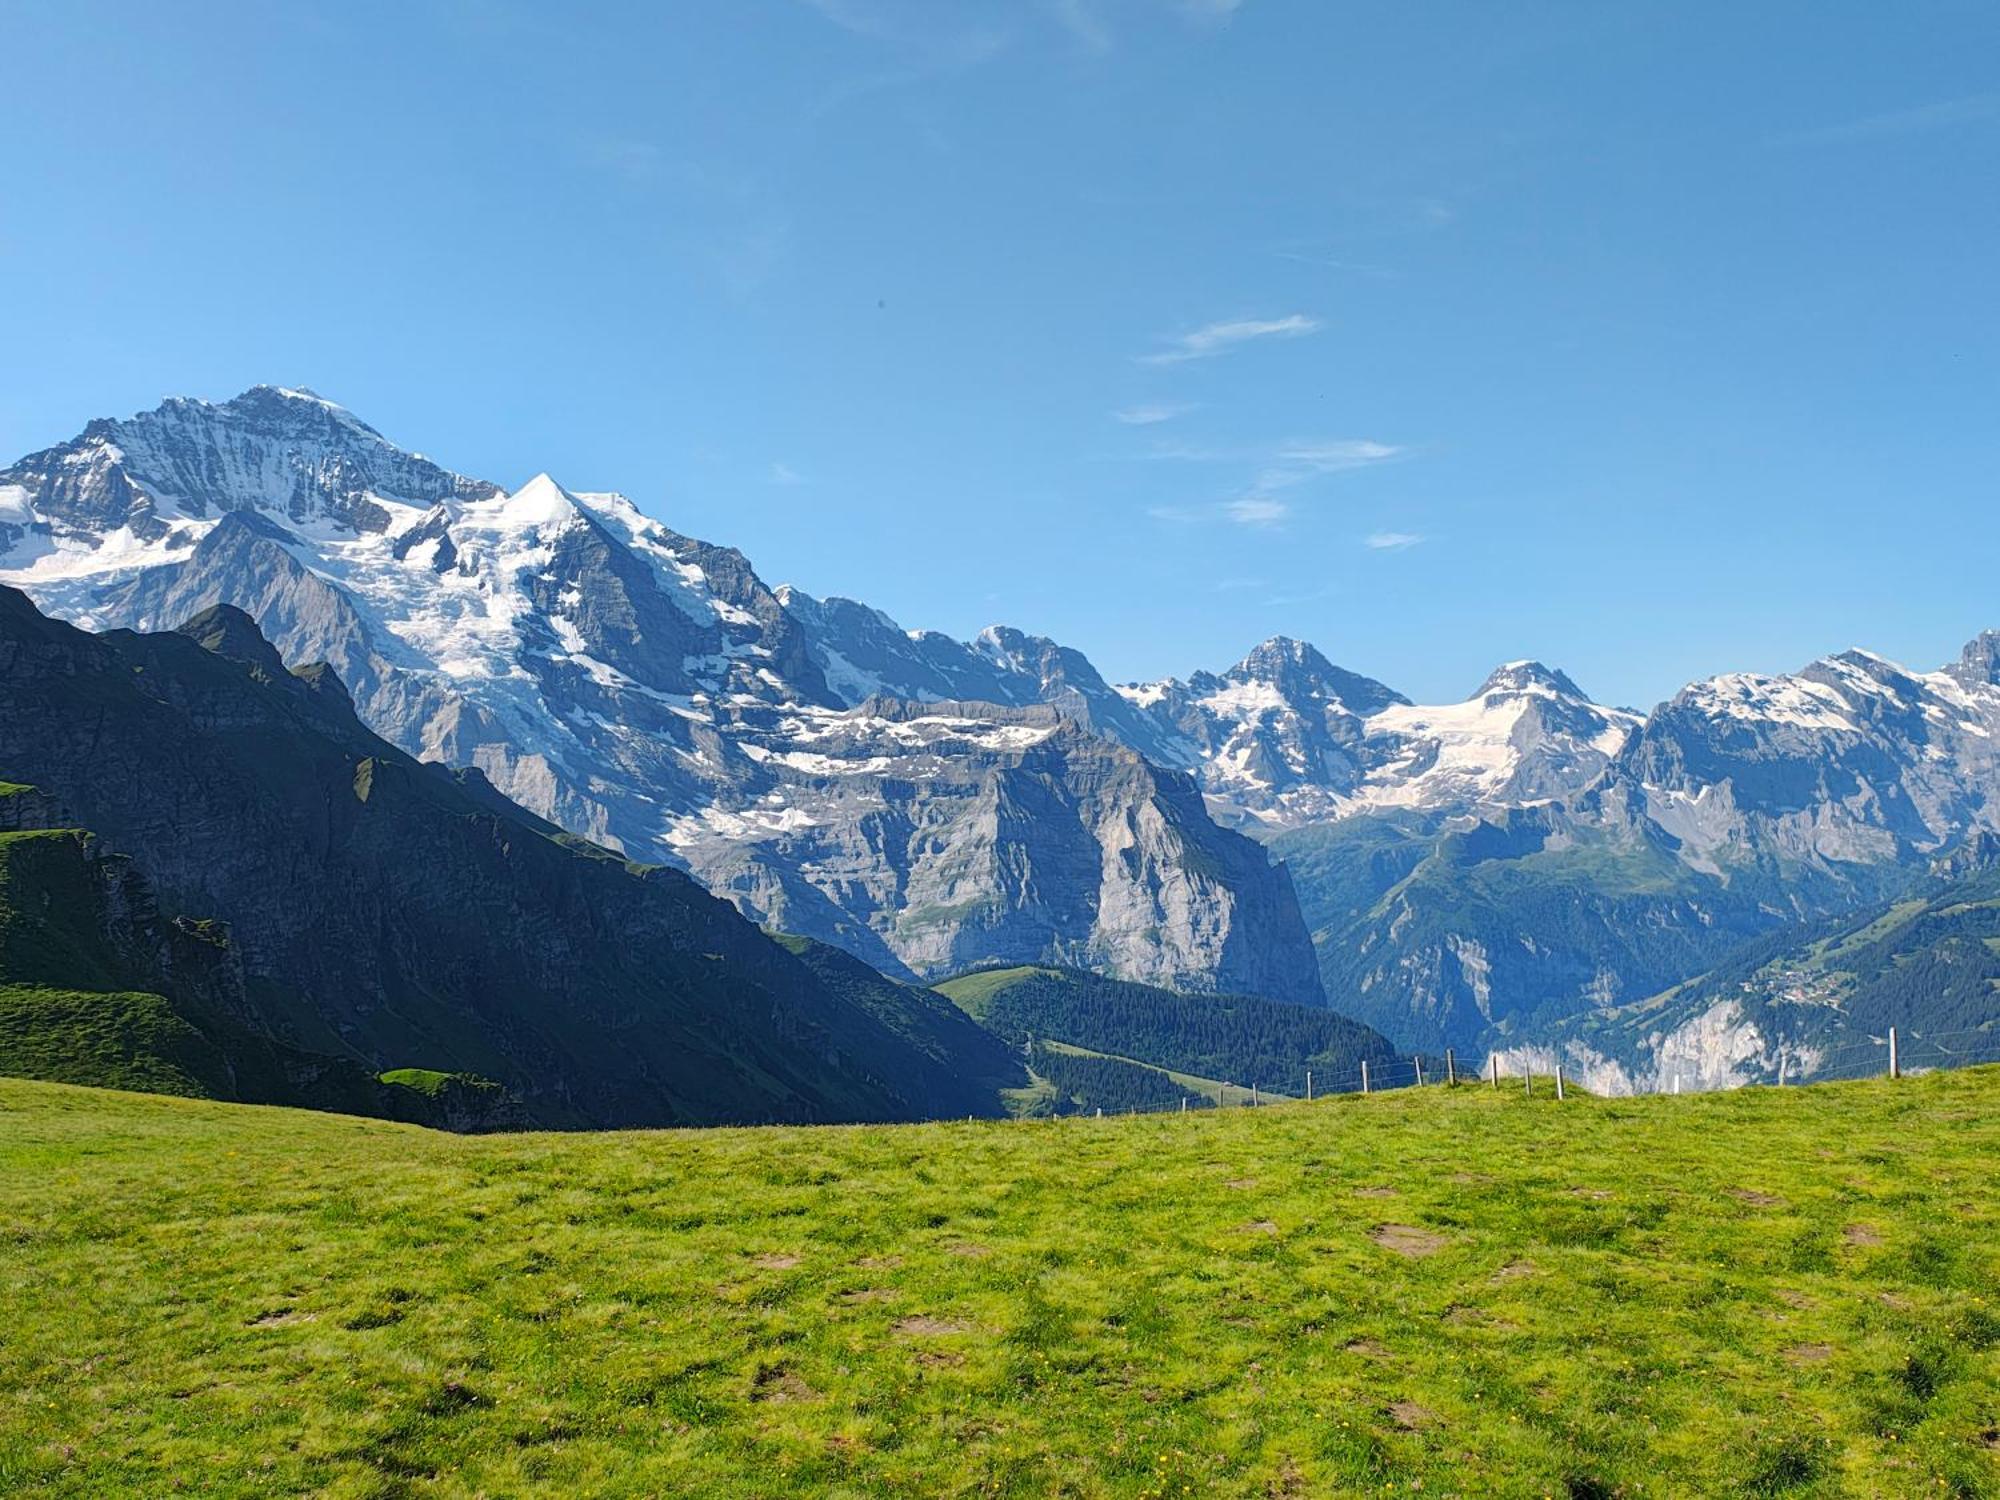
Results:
538 503
928 803
1978 665
1303 675
1529 677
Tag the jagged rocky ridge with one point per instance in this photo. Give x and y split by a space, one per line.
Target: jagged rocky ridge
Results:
390 914
648 691
1471 874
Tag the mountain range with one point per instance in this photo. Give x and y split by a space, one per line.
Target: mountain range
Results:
1477 874
283 908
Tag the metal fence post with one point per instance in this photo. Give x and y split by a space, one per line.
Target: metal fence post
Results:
1559 1083
1493 1058
1364 1075
1895 1061
1450 1069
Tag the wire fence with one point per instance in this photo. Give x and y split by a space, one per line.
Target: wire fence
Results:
1896 1053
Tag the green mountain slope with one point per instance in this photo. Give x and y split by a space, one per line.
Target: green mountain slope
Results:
392 915
1818 1000
1430 1292
97 988
1236 1039
1470 937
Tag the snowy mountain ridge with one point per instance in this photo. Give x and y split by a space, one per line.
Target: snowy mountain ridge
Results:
926 807
931 803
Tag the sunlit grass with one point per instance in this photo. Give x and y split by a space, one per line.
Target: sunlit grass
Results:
1759 1292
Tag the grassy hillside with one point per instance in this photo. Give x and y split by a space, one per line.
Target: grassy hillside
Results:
1413 923
312 900
1461 1292
1238 1039
1823 996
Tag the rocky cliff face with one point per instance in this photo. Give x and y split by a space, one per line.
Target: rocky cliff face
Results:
1852 761
1471 872
395 915
648 691
1745 804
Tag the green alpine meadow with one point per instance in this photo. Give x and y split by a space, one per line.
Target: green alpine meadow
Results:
999 750
1446 1291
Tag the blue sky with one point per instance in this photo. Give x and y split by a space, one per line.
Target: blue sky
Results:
1652 340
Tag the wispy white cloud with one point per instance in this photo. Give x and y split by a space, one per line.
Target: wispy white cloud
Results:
1276 470
1151 413
1302 459
1244 510
785 474
1219 338
1943 114
1257 510
1391 541
1335 263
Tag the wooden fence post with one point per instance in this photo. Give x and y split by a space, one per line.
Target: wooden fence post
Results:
1364 1075
1253 1096
1895 1060
1528 1081
1493 1058
1559 1083
1309 1085
1450 1069
1420 1070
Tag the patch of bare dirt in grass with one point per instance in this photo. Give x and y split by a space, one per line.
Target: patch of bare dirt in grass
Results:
1754 1198
922 1325
1412 1416
1260 1226
861 1295
282 1317
1514 1270
780 1387
1374 1192
780 1261
968 1251
1407 1240
1809 1354
1288 1483
1368 1348
1860 1234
